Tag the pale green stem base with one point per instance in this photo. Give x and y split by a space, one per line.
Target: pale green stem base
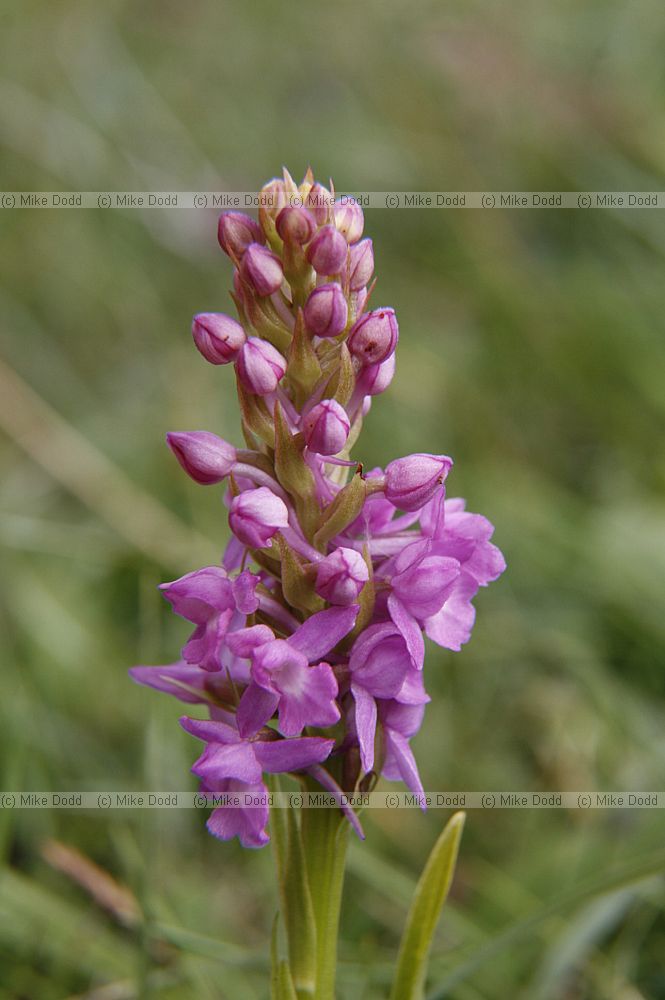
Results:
325 835
310 852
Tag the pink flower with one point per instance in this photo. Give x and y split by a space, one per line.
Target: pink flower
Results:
260 366
412 481
374 337
256 515
205 457
326 427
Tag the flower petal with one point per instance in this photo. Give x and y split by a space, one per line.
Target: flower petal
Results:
365 725
323 631
247 822
409 629
256 706
280 756
451 626
236 760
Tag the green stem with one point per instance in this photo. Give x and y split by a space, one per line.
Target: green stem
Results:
325 835
310 854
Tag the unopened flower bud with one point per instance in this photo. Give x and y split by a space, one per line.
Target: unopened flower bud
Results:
341 576
326 311
262 269
295 225
361 264
327 251
318 202
375 379
349 219
273 197
326 427
205 457
373 337
218 337
235 232
256 515
412 481
260 366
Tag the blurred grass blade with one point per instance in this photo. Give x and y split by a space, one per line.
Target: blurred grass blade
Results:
428 900
90 475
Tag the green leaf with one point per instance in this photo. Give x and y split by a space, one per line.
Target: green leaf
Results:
423 917
255 415
304 369
344 509
297 587
281 982
292 471
343 381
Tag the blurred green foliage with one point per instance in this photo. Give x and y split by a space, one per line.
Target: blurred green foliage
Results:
532 350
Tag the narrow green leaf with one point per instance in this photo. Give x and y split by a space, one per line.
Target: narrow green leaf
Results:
299 913
292 471
255 415
274 961
343 381
304 369
285 985
423 917
342 511
297 587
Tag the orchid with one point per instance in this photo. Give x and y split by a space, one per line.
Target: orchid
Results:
309 645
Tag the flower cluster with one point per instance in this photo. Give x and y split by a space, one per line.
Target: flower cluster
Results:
311 661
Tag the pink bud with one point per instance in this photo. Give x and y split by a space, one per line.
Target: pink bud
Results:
326 311
205 457
361 264
341 576
373 337
412 481
218 337
318 201
295 225
256 515
235 232
262 269
349 219
272 198
326 427
375 379
260 366
327 251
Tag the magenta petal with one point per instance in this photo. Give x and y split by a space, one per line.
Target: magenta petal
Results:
365 725
247 822
280 756
323 631
400 762
210 731
244 592
410 631
451 626
307 698
234 553
166 679
328 782
246 640
236 760
257 705
197 595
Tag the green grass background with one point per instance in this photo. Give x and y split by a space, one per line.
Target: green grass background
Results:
532 350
